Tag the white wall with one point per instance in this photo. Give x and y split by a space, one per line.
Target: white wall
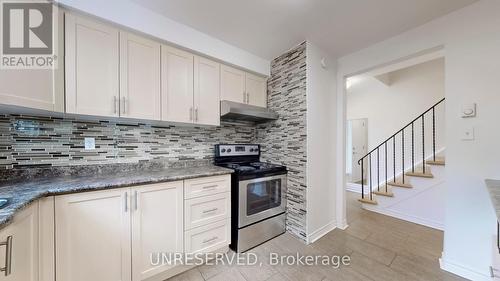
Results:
471 38
388 108
136 17
321 87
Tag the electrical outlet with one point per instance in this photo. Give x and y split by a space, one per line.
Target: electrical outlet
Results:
89 143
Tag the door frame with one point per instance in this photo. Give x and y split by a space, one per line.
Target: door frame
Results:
412 58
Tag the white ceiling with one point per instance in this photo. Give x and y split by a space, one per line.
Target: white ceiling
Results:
267 28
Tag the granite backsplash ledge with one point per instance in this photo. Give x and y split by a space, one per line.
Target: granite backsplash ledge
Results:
53 172
29 142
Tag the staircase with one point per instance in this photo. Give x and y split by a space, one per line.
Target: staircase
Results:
405 161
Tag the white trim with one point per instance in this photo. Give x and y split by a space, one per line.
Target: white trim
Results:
320 232
462 270
343 73
343 225
406 217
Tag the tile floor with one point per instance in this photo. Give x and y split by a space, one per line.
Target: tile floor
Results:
381 248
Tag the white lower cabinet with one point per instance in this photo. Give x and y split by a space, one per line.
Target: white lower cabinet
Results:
157 226
207 214
209 238
19 247
112 234
93 236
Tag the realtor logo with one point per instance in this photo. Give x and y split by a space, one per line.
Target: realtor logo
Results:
28 34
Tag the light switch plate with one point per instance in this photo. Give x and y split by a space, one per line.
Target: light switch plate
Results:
468 134
89 143
469 110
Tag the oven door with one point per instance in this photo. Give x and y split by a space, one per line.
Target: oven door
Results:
261 198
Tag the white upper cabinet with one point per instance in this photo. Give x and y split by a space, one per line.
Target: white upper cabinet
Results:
206 91
39 89
30 88
232 84
157 226
177 85
93 236
21 237
256 90
240 86
139 77
92 67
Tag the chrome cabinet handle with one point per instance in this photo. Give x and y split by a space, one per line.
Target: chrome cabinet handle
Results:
126 202
248 97
136 201
210 210
8 256
196 115
210 240
124 109
244 97
115 104
210 186
190 114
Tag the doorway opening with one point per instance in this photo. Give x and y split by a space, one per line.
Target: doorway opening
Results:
395 139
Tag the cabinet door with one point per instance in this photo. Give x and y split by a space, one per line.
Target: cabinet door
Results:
23 233
177 85
139 77
256 88
232 84
93 236
92 67
157 226
206 91
45 89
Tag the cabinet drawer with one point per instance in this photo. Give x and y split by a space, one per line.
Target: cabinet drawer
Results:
206 186
208 238
208 209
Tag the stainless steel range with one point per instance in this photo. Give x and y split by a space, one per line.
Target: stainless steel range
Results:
258 195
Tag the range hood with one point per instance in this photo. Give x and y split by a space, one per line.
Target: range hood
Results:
233 111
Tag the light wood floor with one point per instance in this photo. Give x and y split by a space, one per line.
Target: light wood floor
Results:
381 248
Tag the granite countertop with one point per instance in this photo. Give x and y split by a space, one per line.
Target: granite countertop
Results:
22 193
493 187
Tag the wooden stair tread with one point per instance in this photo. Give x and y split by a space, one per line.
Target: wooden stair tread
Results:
400 184
420 174
438 162
368 201
383 193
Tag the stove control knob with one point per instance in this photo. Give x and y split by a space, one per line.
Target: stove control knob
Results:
229 150
251 149
223 150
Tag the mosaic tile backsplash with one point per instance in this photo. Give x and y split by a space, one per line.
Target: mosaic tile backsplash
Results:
284 141
42 142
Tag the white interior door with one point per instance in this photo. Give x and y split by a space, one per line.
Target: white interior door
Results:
93 236
92 67
140 77
157 226
359 146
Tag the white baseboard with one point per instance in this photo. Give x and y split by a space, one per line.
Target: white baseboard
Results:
462 270
343 225
320 232
406 217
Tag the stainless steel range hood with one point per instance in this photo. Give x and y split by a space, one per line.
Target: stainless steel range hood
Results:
233 111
